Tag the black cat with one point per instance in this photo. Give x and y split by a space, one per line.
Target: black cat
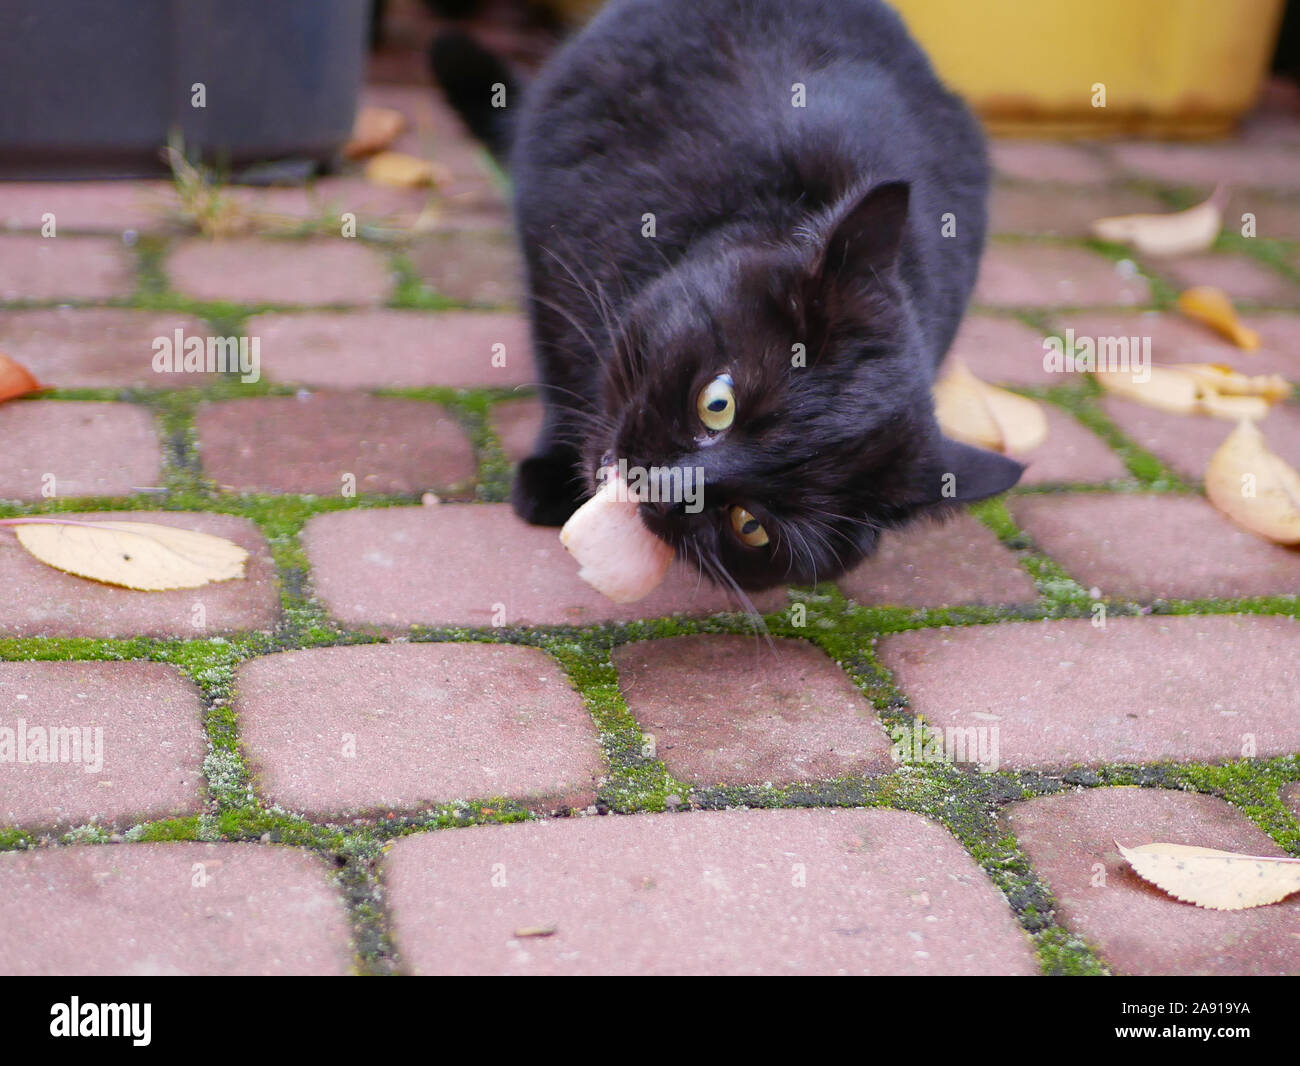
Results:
750 229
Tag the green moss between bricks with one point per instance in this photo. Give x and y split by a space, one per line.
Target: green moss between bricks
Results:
966 802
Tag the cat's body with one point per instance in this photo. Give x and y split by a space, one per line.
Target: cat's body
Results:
775 227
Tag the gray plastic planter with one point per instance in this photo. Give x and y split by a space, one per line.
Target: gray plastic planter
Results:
91 88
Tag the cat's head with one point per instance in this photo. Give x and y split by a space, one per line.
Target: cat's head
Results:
790 375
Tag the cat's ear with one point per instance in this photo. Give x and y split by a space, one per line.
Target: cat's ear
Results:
960 473
866 236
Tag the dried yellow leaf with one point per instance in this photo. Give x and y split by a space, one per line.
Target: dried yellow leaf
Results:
1164 388
1176 233
374 130
1255 488
1216 880
135 555
1226 381
1212 307
975 412
403 171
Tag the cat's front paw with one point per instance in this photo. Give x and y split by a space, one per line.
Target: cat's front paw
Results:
546 491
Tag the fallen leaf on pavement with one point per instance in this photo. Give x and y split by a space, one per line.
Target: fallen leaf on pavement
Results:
1199 388
374 130
1216 880
974 412
1255 488
404 171
135 555
1176 233
1212 307
16 380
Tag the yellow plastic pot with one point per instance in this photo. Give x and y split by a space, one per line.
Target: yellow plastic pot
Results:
1169 68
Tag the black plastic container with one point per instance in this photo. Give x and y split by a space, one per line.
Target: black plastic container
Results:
93 88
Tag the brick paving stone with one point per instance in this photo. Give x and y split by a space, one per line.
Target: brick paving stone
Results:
1135 927
386 726
473 267
1001 350
1139 690
64 268
517 423
1276 218
1266 166
1246 280
90 206
73 348
1045 161
939 565
311 442
1177 339
91 449
51 603
1044 211
137 752
1072 454
1187 442
1049 275
727 710
1155 547
475 565
726 892
395 349
170 910
307 272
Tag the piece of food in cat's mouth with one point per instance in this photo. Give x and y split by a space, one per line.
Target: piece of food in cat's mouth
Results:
619 556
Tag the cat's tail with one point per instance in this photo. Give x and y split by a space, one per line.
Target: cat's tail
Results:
479 85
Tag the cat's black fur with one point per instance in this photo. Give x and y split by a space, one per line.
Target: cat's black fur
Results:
774 225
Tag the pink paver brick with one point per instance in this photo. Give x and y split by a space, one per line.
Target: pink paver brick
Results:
170 910
1156 547
1045 161
1173 338
1267 166
726 710
74 348
517 423
939 565
1050 275
1246 280
55 604
1276 218
384 726
1044 211
89 206
476 267
475 565
728 892
251 271
1187 442
1136 928
312 442
1139 690
396 349
1071 454
1001 350
134 749
64 268
90 449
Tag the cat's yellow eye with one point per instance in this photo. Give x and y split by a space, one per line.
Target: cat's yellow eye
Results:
748 528
717 404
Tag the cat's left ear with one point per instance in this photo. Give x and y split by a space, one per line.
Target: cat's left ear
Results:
865 238
960 473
